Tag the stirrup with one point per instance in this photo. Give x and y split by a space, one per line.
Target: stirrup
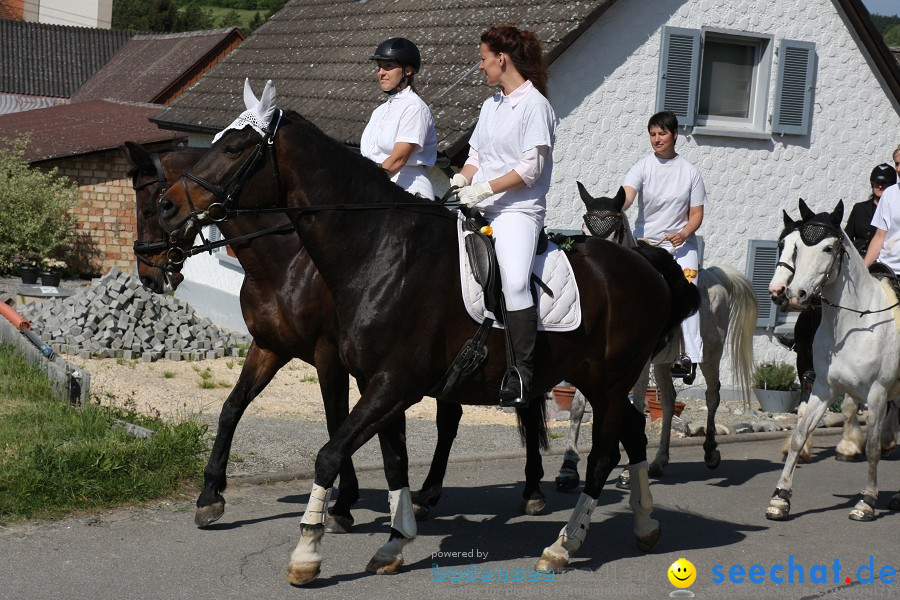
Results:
511 390
681 367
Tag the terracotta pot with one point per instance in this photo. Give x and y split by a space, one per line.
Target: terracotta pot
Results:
28 274
563 395
654 406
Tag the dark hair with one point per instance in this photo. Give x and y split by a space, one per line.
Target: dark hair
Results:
666 120
524 50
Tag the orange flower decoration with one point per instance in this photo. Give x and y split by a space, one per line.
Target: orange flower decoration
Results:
690 274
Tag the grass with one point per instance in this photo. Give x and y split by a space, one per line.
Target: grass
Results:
218 12
56 458
168 374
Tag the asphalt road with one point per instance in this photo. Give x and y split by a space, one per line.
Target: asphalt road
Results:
714 519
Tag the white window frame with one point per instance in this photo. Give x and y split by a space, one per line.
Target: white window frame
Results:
759 93
680 68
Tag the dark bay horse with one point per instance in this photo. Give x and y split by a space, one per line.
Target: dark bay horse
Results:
290 315
390 261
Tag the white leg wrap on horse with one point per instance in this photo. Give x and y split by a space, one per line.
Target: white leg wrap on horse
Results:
572 535
402 518
641 501
317 505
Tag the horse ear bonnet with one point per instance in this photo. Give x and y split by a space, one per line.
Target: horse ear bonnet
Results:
818 228
259 111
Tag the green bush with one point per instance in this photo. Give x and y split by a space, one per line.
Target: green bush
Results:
35 208
775 376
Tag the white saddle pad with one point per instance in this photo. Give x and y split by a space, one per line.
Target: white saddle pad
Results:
560 312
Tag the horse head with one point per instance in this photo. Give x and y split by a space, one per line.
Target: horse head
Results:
818 255
151 174
236 158
604 217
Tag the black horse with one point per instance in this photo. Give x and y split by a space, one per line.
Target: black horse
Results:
390 262
290 315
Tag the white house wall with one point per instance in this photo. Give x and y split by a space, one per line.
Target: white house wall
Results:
603 89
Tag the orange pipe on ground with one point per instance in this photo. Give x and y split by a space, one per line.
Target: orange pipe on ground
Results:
13 317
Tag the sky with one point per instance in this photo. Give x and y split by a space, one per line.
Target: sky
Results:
883 7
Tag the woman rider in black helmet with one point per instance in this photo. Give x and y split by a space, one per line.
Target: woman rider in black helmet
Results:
400 135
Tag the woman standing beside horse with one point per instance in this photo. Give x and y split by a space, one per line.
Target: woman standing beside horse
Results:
671 195
508 173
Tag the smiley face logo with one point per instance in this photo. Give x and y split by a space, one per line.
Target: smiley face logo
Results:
682 573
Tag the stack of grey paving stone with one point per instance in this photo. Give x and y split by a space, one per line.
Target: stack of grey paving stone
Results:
118 317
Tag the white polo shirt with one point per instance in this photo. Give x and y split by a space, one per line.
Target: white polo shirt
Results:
887 217
667 189
507 127
404 117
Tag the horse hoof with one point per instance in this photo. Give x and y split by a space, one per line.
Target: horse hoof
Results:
551 563
338 523
567 482
302 573
894 502
849 457
864 515
533 506
649 541
420 512
384 565
777 513
623 482
713 459
207 515
655 470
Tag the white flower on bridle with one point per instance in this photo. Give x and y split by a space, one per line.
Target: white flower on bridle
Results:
259 110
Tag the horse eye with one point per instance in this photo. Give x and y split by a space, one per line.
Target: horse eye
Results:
829 249
232 150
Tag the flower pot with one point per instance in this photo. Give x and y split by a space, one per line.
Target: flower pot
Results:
563 395
777 401
28 274
654 406
50 279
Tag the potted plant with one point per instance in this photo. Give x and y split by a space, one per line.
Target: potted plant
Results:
28 264
52 272
775 387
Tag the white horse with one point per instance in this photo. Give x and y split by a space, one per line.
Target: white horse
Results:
727 313
857 345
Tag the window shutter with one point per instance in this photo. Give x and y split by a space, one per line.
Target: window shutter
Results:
679 68
794 88
761 261
214 235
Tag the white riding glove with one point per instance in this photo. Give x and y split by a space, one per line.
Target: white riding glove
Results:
459 181
475 193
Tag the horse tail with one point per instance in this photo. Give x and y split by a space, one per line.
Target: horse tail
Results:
685 297
534 415
741 325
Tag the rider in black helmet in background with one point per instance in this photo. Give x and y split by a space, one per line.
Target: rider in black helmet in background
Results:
859 226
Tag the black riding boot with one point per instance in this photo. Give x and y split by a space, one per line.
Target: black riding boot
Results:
522 326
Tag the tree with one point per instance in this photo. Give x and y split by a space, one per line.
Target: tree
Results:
144 15
35 207
230 19
255 22
892 37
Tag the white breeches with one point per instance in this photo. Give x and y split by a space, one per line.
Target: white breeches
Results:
414 179
515 240
687 258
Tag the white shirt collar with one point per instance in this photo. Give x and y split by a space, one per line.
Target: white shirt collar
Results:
517 94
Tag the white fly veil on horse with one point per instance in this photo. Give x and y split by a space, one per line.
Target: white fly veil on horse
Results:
259 110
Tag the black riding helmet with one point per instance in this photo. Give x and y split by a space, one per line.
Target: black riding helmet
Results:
399 49
884 173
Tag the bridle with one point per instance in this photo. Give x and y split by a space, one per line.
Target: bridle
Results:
227 194
814 232
143 248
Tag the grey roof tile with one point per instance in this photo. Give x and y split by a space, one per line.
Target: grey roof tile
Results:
316 52
38 59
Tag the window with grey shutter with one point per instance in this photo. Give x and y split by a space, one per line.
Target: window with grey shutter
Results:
679 67
794 88
214 235
761 261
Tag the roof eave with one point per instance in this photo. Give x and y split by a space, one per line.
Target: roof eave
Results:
884 61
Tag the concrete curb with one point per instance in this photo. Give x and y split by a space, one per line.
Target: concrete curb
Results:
70 383
309 472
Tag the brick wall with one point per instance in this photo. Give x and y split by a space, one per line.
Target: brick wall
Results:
105 210
12 9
